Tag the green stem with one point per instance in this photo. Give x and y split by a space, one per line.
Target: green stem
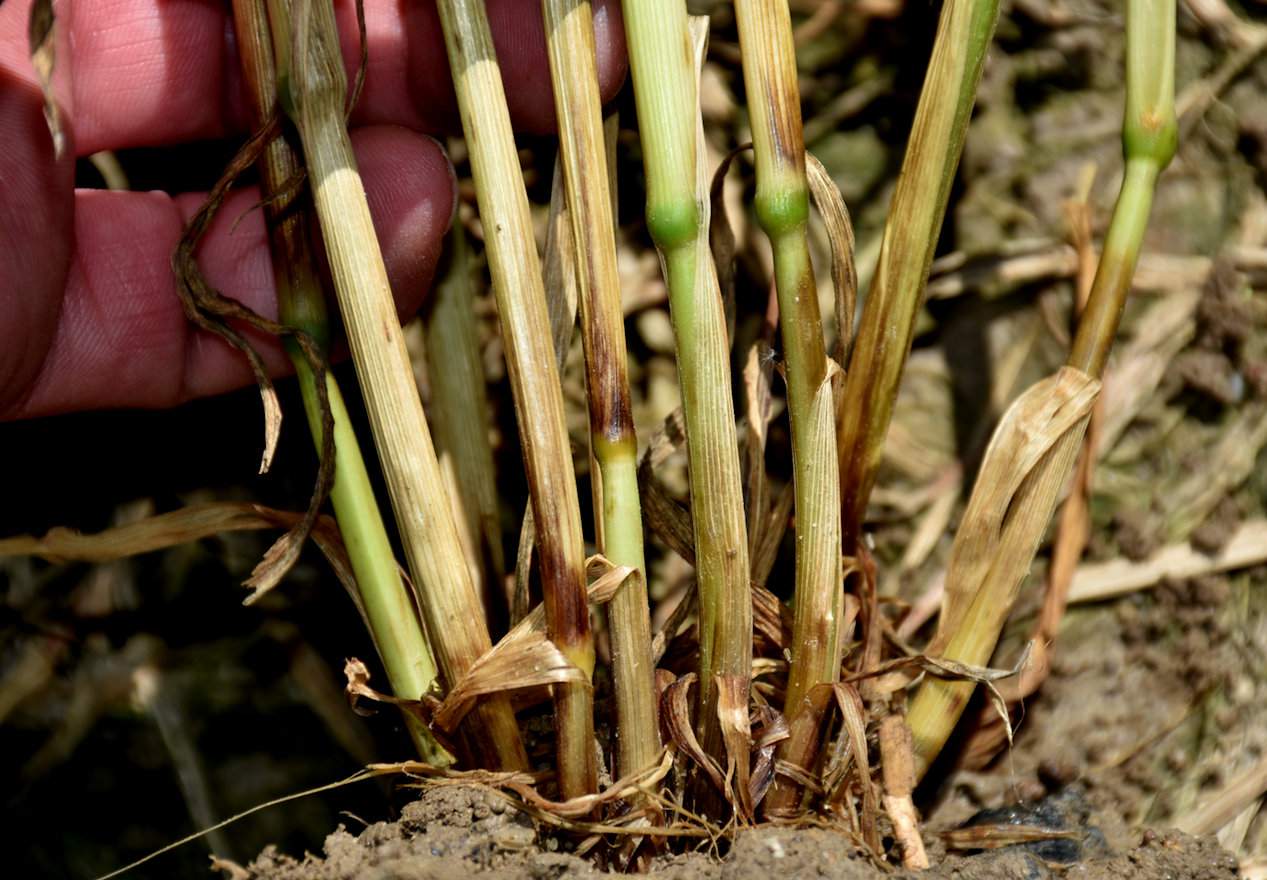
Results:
389 610
313 89
391 613
1149 138
665 90
1098 324
782 208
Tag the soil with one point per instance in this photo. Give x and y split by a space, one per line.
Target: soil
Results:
458 832
1109 750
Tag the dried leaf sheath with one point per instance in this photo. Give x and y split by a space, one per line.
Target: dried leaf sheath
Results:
782 208
534 378
1021 477
574 73
314 94
388 607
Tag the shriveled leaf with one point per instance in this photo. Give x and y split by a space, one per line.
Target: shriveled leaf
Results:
531 660
41 36
357 687
844 275
771 729
721 236
559 270
675 716
758 374
668 520
1021 477
770 538
622 789
523 568
211 310
771 618
732 716
980 837
192 523
854 732
526 658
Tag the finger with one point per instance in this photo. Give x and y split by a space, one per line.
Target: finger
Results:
152 72
35 212
122 340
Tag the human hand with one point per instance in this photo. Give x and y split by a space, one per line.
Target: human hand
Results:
89 316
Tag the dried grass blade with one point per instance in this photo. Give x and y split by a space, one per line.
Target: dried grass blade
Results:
732 718
1022 476
41 39
675 715
839 228
964 31
854 727
459 402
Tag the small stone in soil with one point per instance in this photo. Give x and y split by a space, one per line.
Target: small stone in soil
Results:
1063 811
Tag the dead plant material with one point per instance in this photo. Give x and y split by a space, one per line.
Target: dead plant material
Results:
1073 528
1227 803
1101 581
41 37
211 310
897 762
979 837
191 523
1021 477
839 229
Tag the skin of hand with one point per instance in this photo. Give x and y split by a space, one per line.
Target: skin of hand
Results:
89 315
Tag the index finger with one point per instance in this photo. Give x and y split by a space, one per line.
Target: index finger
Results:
154 72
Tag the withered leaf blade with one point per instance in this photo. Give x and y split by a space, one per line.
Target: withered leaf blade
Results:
839 228
732 716
770 617
721 236
211 310
586 805
525 657
771 730
853 736
998 836
1000 532
41 36
675 715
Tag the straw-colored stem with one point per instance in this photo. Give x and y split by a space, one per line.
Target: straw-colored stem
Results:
578 107
534 378
915 217
665 90
389 610
313 88
782 208
459 409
